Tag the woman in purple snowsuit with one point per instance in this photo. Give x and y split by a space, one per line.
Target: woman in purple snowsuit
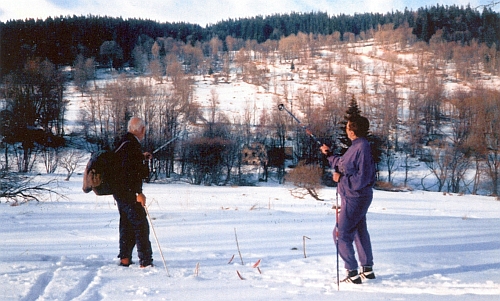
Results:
355 174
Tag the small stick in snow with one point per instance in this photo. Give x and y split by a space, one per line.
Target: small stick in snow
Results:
304 244
238 246
239 275
231 260
197 269
256 264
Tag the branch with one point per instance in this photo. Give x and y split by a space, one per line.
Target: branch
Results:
15 188
238 246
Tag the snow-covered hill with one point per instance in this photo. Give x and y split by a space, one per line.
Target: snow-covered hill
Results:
368 70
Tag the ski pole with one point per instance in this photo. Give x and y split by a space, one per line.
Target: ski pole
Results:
337 234
167 143
157 242
154 152
281 107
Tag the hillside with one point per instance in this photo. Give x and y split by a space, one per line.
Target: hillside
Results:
392 84
433 107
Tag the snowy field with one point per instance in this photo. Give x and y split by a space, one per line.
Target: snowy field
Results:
427 246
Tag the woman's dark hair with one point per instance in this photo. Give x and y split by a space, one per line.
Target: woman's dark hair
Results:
359 125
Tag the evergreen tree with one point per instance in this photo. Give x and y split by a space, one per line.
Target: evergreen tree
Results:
352 110
375 141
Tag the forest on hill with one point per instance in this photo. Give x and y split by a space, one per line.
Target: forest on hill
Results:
427 80
62 39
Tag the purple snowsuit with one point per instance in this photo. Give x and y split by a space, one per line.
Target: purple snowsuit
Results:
356 191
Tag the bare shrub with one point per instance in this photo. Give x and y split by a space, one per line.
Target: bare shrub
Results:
307 179
70 160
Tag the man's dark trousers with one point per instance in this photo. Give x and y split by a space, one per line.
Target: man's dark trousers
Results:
134 229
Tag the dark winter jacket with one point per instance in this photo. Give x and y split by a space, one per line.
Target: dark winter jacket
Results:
357 168
133 169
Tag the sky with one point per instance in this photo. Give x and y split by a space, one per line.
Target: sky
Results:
205 12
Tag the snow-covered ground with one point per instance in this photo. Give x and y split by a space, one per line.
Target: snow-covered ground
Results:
427 246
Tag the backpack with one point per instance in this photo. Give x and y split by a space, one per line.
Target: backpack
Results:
100 173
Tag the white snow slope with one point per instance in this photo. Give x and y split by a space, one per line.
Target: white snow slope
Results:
427 246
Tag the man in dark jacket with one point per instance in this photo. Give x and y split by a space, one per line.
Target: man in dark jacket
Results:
134 226
355 174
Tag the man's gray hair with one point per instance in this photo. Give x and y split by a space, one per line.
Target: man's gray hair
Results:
135 124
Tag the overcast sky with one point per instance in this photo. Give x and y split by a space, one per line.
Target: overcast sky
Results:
205 12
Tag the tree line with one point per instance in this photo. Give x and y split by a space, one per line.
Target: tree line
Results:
62 39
